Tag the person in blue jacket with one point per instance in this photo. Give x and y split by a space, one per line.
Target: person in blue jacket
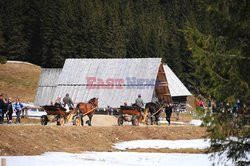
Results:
18 109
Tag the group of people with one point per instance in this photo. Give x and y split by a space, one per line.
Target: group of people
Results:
66 102
7 107
235 108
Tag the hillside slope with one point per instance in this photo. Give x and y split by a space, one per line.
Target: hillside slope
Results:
19 80
37 139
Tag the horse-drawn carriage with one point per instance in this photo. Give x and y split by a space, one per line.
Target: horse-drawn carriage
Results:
60 116
133 114
149 115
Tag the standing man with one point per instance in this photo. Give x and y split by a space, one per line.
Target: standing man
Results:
139 102
2 104
168 111
67 102
18 108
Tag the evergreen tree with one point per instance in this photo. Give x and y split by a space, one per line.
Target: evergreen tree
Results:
218 37
13 28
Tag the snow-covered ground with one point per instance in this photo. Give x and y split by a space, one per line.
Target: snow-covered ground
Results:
157 144
33 113
195 122
112 159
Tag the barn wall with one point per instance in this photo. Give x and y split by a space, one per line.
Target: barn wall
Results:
162 90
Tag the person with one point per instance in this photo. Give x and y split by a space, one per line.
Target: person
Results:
67 102
209 104
245 110
9 111
58 102
2 104
139 102
234 110
18 108
4 111
227 108
177 111
214 108
168 111
110 110
238 104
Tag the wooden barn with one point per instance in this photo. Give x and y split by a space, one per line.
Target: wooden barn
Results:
113 81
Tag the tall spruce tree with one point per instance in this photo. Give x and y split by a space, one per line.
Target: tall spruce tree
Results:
218 36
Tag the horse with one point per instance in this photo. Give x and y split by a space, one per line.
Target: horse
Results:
154 111
87 109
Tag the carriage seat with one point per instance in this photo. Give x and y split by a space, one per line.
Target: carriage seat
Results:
128 107
53 108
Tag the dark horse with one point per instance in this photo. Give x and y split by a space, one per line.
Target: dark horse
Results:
88 109
154 111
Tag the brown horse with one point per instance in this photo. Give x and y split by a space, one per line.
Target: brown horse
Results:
88 109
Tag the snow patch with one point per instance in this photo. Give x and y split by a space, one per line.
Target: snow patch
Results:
113 159
196 122
21 62
157 144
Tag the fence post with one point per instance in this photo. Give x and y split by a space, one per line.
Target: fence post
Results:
3 162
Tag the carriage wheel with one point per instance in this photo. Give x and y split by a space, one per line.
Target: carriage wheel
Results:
61 121
148 120
120 121
135 121
77 121
44 120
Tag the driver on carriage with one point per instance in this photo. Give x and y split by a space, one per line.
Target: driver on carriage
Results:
139 102
68 103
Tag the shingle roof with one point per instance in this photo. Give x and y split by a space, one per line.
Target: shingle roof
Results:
176 87
73 80
47 86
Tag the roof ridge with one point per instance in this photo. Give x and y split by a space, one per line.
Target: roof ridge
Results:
115 58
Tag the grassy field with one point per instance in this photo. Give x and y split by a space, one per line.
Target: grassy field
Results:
19 80
37 139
